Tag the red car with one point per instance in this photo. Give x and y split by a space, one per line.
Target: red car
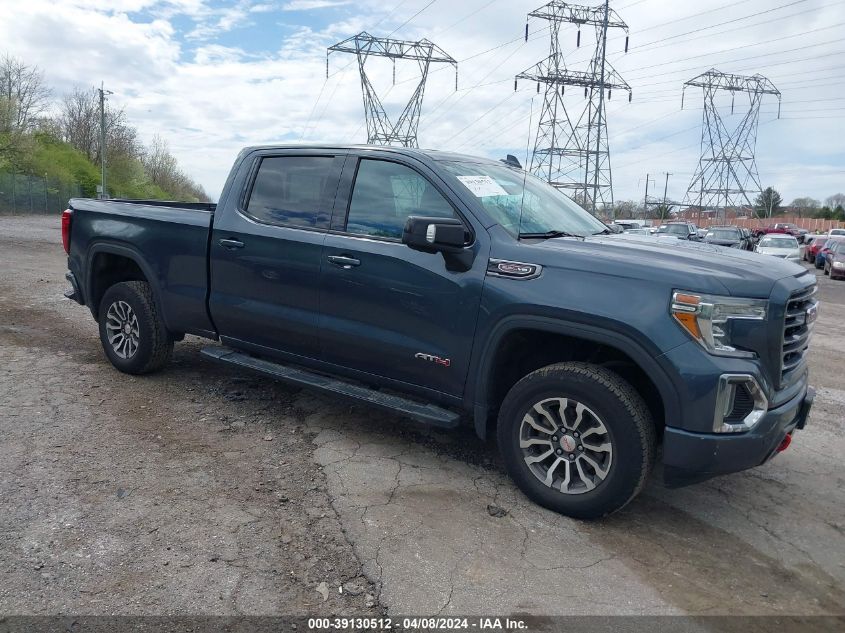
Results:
814 244
784 227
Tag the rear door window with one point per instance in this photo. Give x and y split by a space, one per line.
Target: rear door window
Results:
293 191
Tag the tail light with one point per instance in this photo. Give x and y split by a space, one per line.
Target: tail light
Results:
66 217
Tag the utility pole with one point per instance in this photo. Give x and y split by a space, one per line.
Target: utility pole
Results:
103 94
601 112
571 149
645 198
380 129
665 190
727 175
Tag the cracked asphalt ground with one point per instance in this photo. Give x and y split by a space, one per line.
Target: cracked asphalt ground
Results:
202 490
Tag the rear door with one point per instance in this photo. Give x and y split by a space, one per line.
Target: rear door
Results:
388 310
266 251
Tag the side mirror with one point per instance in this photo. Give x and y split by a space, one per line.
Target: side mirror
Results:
434 235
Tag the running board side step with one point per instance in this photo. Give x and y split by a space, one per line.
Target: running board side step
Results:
426 413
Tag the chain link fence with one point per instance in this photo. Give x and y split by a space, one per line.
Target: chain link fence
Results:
20 193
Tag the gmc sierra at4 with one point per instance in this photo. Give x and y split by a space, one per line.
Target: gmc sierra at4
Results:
447 287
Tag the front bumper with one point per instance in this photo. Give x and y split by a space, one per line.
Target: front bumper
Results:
692 457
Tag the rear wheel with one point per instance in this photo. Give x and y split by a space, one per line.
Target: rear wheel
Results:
132 333
576 439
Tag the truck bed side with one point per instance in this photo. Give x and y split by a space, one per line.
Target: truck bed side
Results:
166 244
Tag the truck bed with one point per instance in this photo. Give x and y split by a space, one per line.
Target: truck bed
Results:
167 240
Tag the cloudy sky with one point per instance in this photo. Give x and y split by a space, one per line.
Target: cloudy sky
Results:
213 76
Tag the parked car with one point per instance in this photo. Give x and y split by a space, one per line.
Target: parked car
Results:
834 260
637 232
784 246
628 224
750 240
784 227
822 252
812 245
730 236
836 232
681 230
437 286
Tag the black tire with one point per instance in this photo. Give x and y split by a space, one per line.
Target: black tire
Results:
623 413
154 346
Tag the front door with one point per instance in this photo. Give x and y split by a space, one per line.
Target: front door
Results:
266 252
388 310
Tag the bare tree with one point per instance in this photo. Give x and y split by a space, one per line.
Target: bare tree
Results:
836 200
163 170
161 166
79 122
805 206
24 97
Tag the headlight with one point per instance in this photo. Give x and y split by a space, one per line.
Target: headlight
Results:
706 318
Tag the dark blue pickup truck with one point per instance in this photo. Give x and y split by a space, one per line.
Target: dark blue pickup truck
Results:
444 286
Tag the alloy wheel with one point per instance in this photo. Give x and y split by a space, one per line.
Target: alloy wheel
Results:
566 445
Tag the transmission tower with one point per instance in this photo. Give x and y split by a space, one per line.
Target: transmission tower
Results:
727 175
380 130
571 150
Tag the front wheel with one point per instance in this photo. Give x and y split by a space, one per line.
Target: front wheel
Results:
577 439
132 333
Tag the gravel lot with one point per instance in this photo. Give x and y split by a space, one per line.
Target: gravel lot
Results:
200 490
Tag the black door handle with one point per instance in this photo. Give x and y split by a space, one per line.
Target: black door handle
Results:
231 244
344 261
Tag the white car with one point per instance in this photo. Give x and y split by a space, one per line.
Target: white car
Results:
778 245
833 232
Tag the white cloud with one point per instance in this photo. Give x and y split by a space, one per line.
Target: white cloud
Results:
309 5
210 103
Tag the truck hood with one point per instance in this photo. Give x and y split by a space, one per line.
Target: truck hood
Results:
680 264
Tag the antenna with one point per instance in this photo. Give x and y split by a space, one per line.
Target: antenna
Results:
524 169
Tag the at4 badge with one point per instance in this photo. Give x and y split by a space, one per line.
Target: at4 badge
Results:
433 359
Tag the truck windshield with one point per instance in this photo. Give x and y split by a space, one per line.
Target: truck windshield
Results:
537 208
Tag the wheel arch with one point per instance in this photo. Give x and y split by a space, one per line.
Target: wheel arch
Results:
561 341
109 264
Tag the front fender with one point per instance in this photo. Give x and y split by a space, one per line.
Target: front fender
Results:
477 394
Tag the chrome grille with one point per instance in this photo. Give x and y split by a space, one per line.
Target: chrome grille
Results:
796 330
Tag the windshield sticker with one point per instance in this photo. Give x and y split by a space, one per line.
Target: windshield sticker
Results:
482 186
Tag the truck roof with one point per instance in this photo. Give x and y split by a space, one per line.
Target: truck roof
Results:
430 154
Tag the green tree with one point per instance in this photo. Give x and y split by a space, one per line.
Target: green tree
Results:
767 203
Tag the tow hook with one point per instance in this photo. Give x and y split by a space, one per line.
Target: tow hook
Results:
785 442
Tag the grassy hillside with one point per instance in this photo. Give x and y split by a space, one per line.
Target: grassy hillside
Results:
43 155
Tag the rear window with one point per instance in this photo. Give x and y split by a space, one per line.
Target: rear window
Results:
292 191
779 242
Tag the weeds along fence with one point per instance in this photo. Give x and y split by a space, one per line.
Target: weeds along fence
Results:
20 193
